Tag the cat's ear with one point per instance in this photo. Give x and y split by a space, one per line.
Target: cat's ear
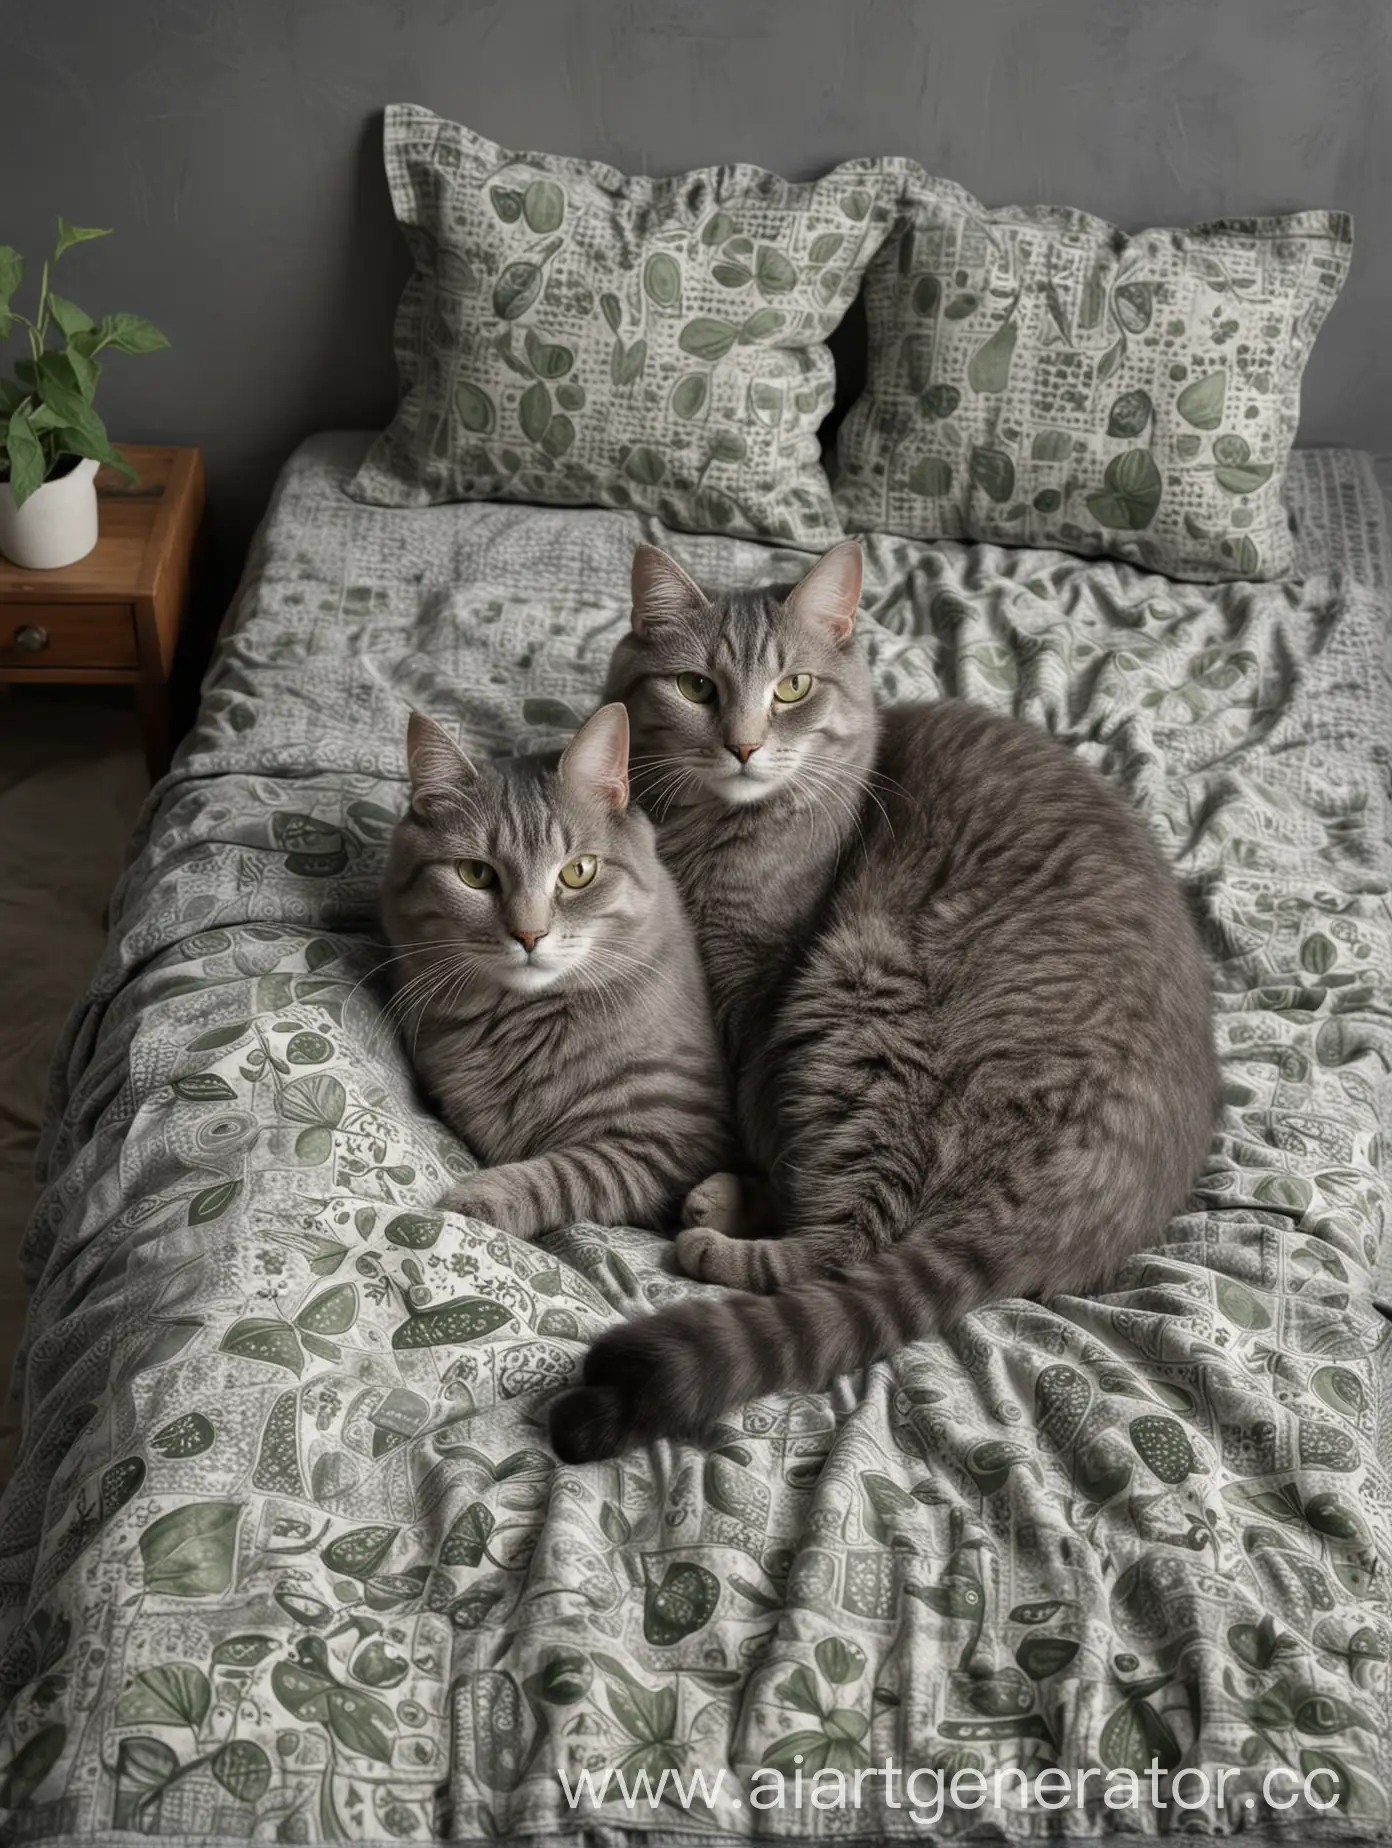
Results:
828 597
437 765
661 590
595 762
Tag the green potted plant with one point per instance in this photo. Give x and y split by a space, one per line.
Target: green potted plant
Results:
51 440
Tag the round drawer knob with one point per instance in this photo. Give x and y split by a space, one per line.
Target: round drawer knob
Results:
31 639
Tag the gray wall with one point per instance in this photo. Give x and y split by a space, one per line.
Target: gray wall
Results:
234 145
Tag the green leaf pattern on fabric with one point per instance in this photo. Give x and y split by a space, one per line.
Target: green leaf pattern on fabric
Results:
289 1558
677 311
1050 340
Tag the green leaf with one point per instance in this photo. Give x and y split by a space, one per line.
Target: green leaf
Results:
1231 450
68 235
131 333
243 1651
708 339
202 1088
989 368
1164 1448
243 1769
761 325
626 363
548 360
683 1603
358 1554
516 289
645 465
25 456
507 203
662 280
267 1339
1131 492
314 1146
614 1525
1322 1715
189 1552
1130 414
774 273
467 1540
11 273
840 1661
1201 404
930 476
543 207
612 310
825 247
188 1436
1187 447
306 1048
1110 361
331 1313
1042 1656
534 412
68 315
59 388
564 1678
315 1100
993 472
1246 479
31 1764
717 229
689 395
961 306
468 1318
856 204
560 435
213 1202
415 1231
927 295
175 1694
1051 446
1047 500
941 401
1133 1735
732 275
217 1038
1133 304
474 408
728 446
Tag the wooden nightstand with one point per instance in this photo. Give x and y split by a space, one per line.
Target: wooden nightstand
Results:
113 618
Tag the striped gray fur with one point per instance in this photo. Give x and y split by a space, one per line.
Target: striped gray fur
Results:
964 1006
565 1034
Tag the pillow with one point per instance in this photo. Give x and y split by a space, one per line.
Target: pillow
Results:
1037 377
576 337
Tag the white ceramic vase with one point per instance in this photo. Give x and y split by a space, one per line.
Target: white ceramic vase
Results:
56 526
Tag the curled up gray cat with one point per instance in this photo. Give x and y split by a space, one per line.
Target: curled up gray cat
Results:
963 1003
550 985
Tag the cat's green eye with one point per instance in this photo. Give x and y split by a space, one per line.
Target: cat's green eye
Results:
580 871
791 688
697 688
476 873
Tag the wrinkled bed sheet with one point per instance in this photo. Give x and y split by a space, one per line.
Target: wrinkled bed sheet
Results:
286 1554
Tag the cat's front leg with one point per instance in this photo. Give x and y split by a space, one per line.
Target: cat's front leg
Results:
769 1263
515 1198
600 1182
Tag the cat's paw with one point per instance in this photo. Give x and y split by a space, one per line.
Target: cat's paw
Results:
711 1257
599 1419
481 1196
718 1202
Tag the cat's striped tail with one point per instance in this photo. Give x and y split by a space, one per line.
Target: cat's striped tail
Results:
675 1373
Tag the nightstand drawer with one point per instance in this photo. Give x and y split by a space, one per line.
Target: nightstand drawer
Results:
41 635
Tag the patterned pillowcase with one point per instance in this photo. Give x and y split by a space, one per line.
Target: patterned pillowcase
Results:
1039 378
576 337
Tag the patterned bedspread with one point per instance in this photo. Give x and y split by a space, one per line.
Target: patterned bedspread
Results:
286 1555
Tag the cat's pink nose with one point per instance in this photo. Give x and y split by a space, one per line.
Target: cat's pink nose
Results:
529 939
744 751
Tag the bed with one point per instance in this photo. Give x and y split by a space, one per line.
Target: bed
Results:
286 1555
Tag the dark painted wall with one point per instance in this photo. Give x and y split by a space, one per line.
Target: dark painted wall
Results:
234 145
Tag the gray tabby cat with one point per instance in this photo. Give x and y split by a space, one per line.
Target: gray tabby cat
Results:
964 1006
561 1018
